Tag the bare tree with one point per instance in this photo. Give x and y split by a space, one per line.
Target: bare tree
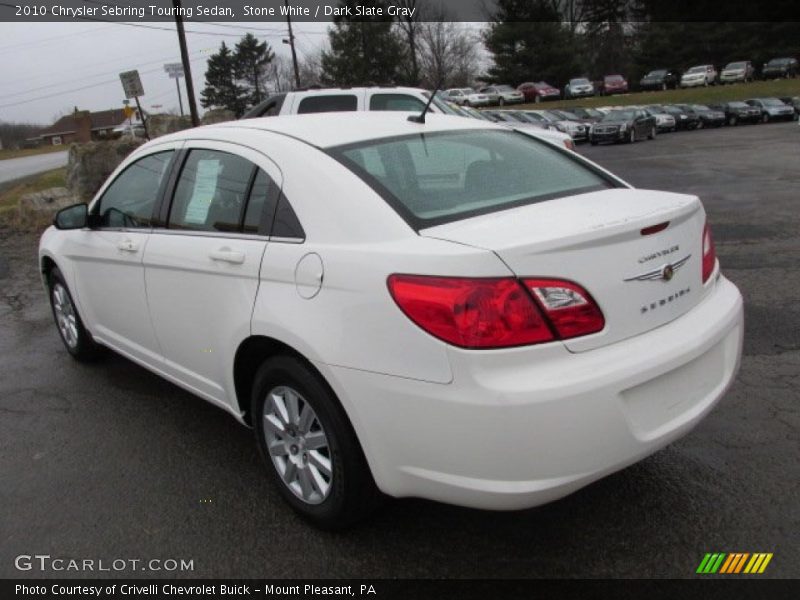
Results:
447 53
279 74
410 26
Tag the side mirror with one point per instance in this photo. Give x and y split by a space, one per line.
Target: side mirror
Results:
72 217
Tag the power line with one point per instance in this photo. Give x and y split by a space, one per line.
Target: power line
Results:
47 40
79 89
51 85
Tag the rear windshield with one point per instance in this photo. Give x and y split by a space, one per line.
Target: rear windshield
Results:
436 178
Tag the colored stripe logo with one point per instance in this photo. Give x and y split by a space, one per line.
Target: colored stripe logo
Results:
734 563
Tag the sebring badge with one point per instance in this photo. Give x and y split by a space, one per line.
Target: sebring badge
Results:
665 273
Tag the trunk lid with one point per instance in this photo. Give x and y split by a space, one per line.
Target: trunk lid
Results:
596 240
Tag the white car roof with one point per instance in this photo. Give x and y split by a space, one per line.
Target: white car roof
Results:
325 130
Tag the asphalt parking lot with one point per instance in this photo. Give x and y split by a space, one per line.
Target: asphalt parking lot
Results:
108 461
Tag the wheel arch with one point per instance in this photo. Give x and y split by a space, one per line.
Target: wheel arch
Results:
46 266
251 354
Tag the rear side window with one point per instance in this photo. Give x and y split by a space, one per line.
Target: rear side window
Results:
129 200
399 102
261 205
436 178
211 191
286 223
318 104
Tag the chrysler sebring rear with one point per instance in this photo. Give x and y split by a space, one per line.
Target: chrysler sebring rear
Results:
448 309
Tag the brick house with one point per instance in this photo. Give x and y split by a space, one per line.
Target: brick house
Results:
84 126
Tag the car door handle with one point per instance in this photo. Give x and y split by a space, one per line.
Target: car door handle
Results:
127 246
228 255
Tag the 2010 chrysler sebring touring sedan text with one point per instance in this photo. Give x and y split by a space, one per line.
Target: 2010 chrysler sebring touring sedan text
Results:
445 309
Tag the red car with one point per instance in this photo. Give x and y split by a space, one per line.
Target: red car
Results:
536 92
613 84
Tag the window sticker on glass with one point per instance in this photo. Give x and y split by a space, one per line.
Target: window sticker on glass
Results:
205 186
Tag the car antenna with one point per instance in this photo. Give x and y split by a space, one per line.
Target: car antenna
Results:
421 117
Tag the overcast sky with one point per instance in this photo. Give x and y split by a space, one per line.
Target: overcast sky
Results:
49 68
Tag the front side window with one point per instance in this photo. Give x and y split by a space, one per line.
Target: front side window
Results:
211 191
436 178
319 104
130 199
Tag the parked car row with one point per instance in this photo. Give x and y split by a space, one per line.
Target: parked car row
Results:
632 123
741 71
629 123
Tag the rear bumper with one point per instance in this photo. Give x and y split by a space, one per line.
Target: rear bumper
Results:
526 426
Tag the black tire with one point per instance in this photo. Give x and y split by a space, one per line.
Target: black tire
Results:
632 136
501 102
765 118
732 120
652 134
593 142
352 494
699 125
663 87
537 99
82 347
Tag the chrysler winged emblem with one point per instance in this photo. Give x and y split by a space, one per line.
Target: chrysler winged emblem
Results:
664 273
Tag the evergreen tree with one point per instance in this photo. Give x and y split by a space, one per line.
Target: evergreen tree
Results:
221 90
364 50
251 60
529 42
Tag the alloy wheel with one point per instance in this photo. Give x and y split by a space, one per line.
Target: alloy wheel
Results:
66 318
297 445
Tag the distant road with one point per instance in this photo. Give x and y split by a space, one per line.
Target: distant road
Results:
14 168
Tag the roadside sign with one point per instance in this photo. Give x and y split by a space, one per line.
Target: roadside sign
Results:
174 70
131 84
128 111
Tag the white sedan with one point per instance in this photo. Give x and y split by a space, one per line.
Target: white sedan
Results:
466 97
449 310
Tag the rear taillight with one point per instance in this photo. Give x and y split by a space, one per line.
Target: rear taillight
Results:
495 312
709 253
569 307
570 145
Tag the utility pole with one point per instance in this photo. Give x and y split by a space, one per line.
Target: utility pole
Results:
187 68
178 87
175 71
291 44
